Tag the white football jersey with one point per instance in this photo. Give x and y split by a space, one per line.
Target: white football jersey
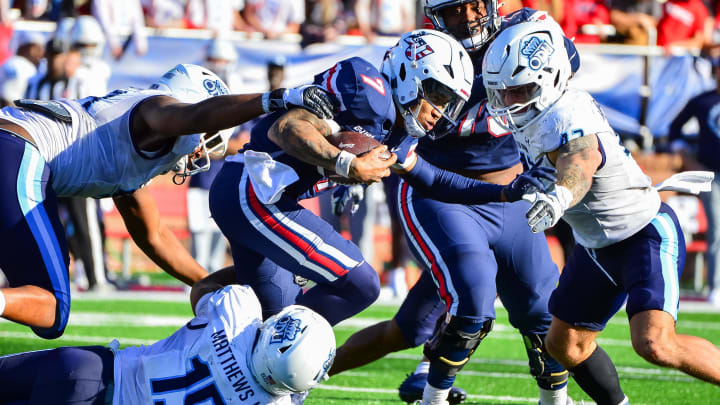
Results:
94 156
14 76
621 200
206 361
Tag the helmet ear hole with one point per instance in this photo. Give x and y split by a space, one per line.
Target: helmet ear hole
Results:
402 73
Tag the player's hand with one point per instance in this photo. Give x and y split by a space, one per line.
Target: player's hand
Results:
547 208
344 194
405 153
310 97
535 180
372 166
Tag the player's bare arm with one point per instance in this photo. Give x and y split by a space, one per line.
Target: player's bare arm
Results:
142 218
163 117
213 282
302 134
576 162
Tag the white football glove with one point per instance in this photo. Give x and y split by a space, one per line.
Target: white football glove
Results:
344 194
547 209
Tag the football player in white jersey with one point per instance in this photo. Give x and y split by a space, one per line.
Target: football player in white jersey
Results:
630 245
109 146
225 355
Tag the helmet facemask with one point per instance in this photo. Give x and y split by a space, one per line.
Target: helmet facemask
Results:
212 146
440 98
473 35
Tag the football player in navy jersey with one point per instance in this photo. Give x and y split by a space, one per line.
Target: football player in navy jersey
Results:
471 253
254 198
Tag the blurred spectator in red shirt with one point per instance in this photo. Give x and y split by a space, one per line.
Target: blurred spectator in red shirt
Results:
634 19
682 24
590 12
6 30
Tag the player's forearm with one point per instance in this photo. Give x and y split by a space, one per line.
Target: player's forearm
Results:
303 136
166 251
446 186
227 111
576 163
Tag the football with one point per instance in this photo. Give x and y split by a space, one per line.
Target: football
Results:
356 143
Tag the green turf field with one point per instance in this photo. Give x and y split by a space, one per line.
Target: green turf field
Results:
497 373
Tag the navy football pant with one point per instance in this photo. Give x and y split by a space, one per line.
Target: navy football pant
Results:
644 269
66 375
270 242
34 249
475 252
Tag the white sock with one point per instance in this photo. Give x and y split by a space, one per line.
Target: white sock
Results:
553 397
434 396
625 401
2 303
422 368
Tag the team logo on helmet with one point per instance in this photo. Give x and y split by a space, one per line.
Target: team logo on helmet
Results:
214 87
286 329
538 52
417 47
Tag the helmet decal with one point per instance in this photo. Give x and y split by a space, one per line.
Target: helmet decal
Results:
417 47
286 329
538 52
214 87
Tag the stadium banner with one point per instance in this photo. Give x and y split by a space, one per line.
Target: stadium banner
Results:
615 80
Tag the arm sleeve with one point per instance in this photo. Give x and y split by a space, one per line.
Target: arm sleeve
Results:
675 132
449 187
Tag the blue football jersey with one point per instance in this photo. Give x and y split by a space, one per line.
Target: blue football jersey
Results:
477 141
365 105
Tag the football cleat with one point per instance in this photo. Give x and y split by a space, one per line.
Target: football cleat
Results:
412 388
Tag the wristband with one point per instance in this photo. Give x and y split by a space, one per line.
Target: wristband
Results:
266 102
342 163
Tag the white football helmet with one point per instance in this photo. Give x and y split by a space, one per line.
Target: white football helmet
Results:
293 352
87 36
428 65
472 35
525 70
192 84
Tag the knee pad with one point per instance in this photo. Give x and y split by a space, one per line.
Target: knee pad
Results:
452 346
62 314
550 374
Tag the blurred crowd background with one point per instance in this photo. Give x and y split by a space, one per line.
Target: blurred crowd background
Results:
647 62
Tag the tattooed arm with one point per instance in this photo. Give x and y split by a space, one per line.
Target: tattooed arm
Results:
302 135
576 162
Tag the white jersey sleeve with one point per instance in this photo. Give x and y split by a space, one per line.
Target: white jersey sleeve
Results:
621 200
206 361
94 155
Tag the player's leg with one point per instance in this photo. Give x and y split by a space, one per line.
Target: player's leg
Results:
297 240
652 275
77 375
34 254
526 278
450 241
412 326
711 203
586 297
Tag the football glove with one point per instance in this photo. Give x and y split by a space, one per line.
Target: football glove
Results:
310 97
535 180
344 194
547 208
405 152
